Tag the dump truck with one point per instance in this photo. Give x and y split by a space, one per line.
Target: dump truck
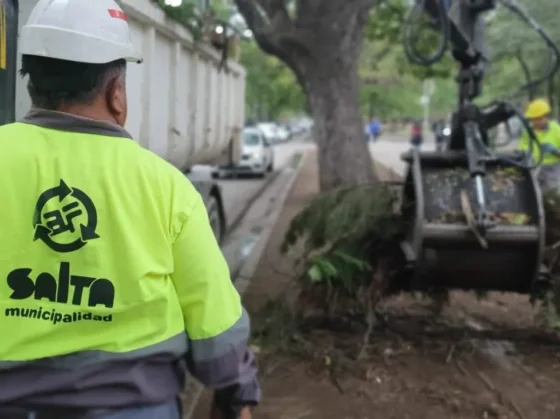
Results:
182 103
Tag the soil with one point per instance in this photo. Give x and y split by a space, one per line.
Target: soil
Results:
478 359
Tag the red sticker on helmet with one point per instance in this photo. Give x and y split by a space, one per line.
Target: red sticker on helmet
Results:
117 14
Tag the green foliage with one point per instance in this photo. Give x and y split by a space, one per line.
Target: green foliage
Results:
397 95
271 87
196 21
397 84
509 36
385 22
343 234
336 270
187 14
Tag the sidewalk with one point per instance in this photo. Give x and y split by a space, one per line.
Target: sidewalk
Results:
388 153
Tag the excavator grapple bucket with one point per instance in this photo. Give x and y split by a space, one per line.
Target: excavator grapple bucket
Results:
443 245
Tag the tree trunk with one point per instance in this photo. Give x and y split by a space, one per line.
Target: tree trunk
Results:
322 45
331 81
333 93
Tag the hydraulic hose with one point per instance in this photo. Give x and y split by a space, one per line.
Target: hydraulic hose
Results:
409 35
555 66
416 57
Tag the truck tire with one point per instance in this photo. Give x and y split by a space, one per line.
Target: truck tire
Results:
216 218
270 167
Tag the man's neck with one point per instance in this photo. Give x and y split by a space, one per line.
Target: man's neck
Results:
89 113
544 128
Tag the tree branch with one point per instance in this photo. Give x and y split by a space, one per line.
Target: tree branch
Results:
277 13
372 80
377 58
526 72
272 27
256 22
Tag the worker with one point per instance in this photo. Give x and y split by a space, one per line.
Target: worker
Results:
548 133
112 282
375 129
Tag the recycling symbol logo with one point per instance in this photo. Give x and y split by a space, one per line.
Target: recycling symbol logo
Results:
69 223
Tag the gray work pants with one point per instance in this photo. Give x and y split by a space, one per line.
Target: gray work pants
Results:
162 411
549 177
170 410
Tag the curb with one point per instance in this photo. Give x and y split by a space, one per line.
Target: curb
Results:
245 273
393 176
248 269
258 193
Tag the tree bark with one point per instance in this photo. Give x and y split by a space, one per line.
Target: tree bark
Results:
333 93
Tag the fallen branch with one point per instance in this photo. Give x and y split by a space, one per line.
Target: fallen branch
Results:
370 319
502 398
450 354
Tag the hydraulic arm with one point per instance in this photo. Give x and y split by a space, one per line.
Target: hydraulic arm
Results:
475 217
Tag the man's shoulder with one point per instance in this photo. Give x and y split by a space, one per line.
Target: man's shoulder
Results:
158 163
555 126
11 127
164 172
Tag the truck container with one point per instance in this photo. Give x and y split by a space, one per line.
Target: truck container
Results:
181 104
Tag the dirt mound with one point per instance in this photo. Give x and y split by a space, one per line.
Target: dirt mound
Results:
476 360
479 359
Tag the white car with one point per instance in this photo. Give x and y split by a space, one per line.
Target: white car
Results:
283 134
270 131
258 155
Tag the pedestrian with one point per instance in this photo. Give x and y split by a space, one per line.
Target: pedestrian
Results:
548 133
416 137
116 285
375 129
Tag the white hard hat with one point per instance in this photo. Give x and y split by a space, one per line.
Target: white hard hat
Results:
84 31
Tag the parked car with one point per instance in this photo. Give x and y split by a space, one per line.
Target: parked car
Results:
270 131
283 133
257 155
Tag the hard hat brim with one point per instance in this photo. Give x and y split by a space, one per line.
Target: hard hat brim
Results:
46 41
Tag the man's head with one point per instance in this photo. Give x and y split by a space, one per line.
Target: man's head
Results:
75 54
94 90
538 112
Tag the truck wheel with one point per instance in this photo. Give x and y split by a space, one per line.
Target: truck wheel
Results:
215 217
270 167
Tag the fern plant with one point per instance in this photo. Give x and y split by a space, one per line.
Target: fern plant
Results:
341 237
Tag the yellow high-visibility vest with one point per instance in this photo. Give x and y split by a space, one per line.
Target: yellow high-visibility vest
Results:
105 247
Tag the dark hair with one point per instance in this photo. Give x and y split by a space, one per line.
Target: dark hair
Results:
54 83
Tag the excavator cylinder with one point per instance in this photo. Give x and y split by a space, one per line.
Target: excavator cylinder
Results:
444 251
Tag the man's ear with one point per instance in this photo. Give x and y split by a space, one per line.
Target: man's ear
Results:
116 99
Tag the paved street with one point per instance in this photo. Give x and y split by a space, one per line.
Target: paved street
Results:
389 153
242 241
238 192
